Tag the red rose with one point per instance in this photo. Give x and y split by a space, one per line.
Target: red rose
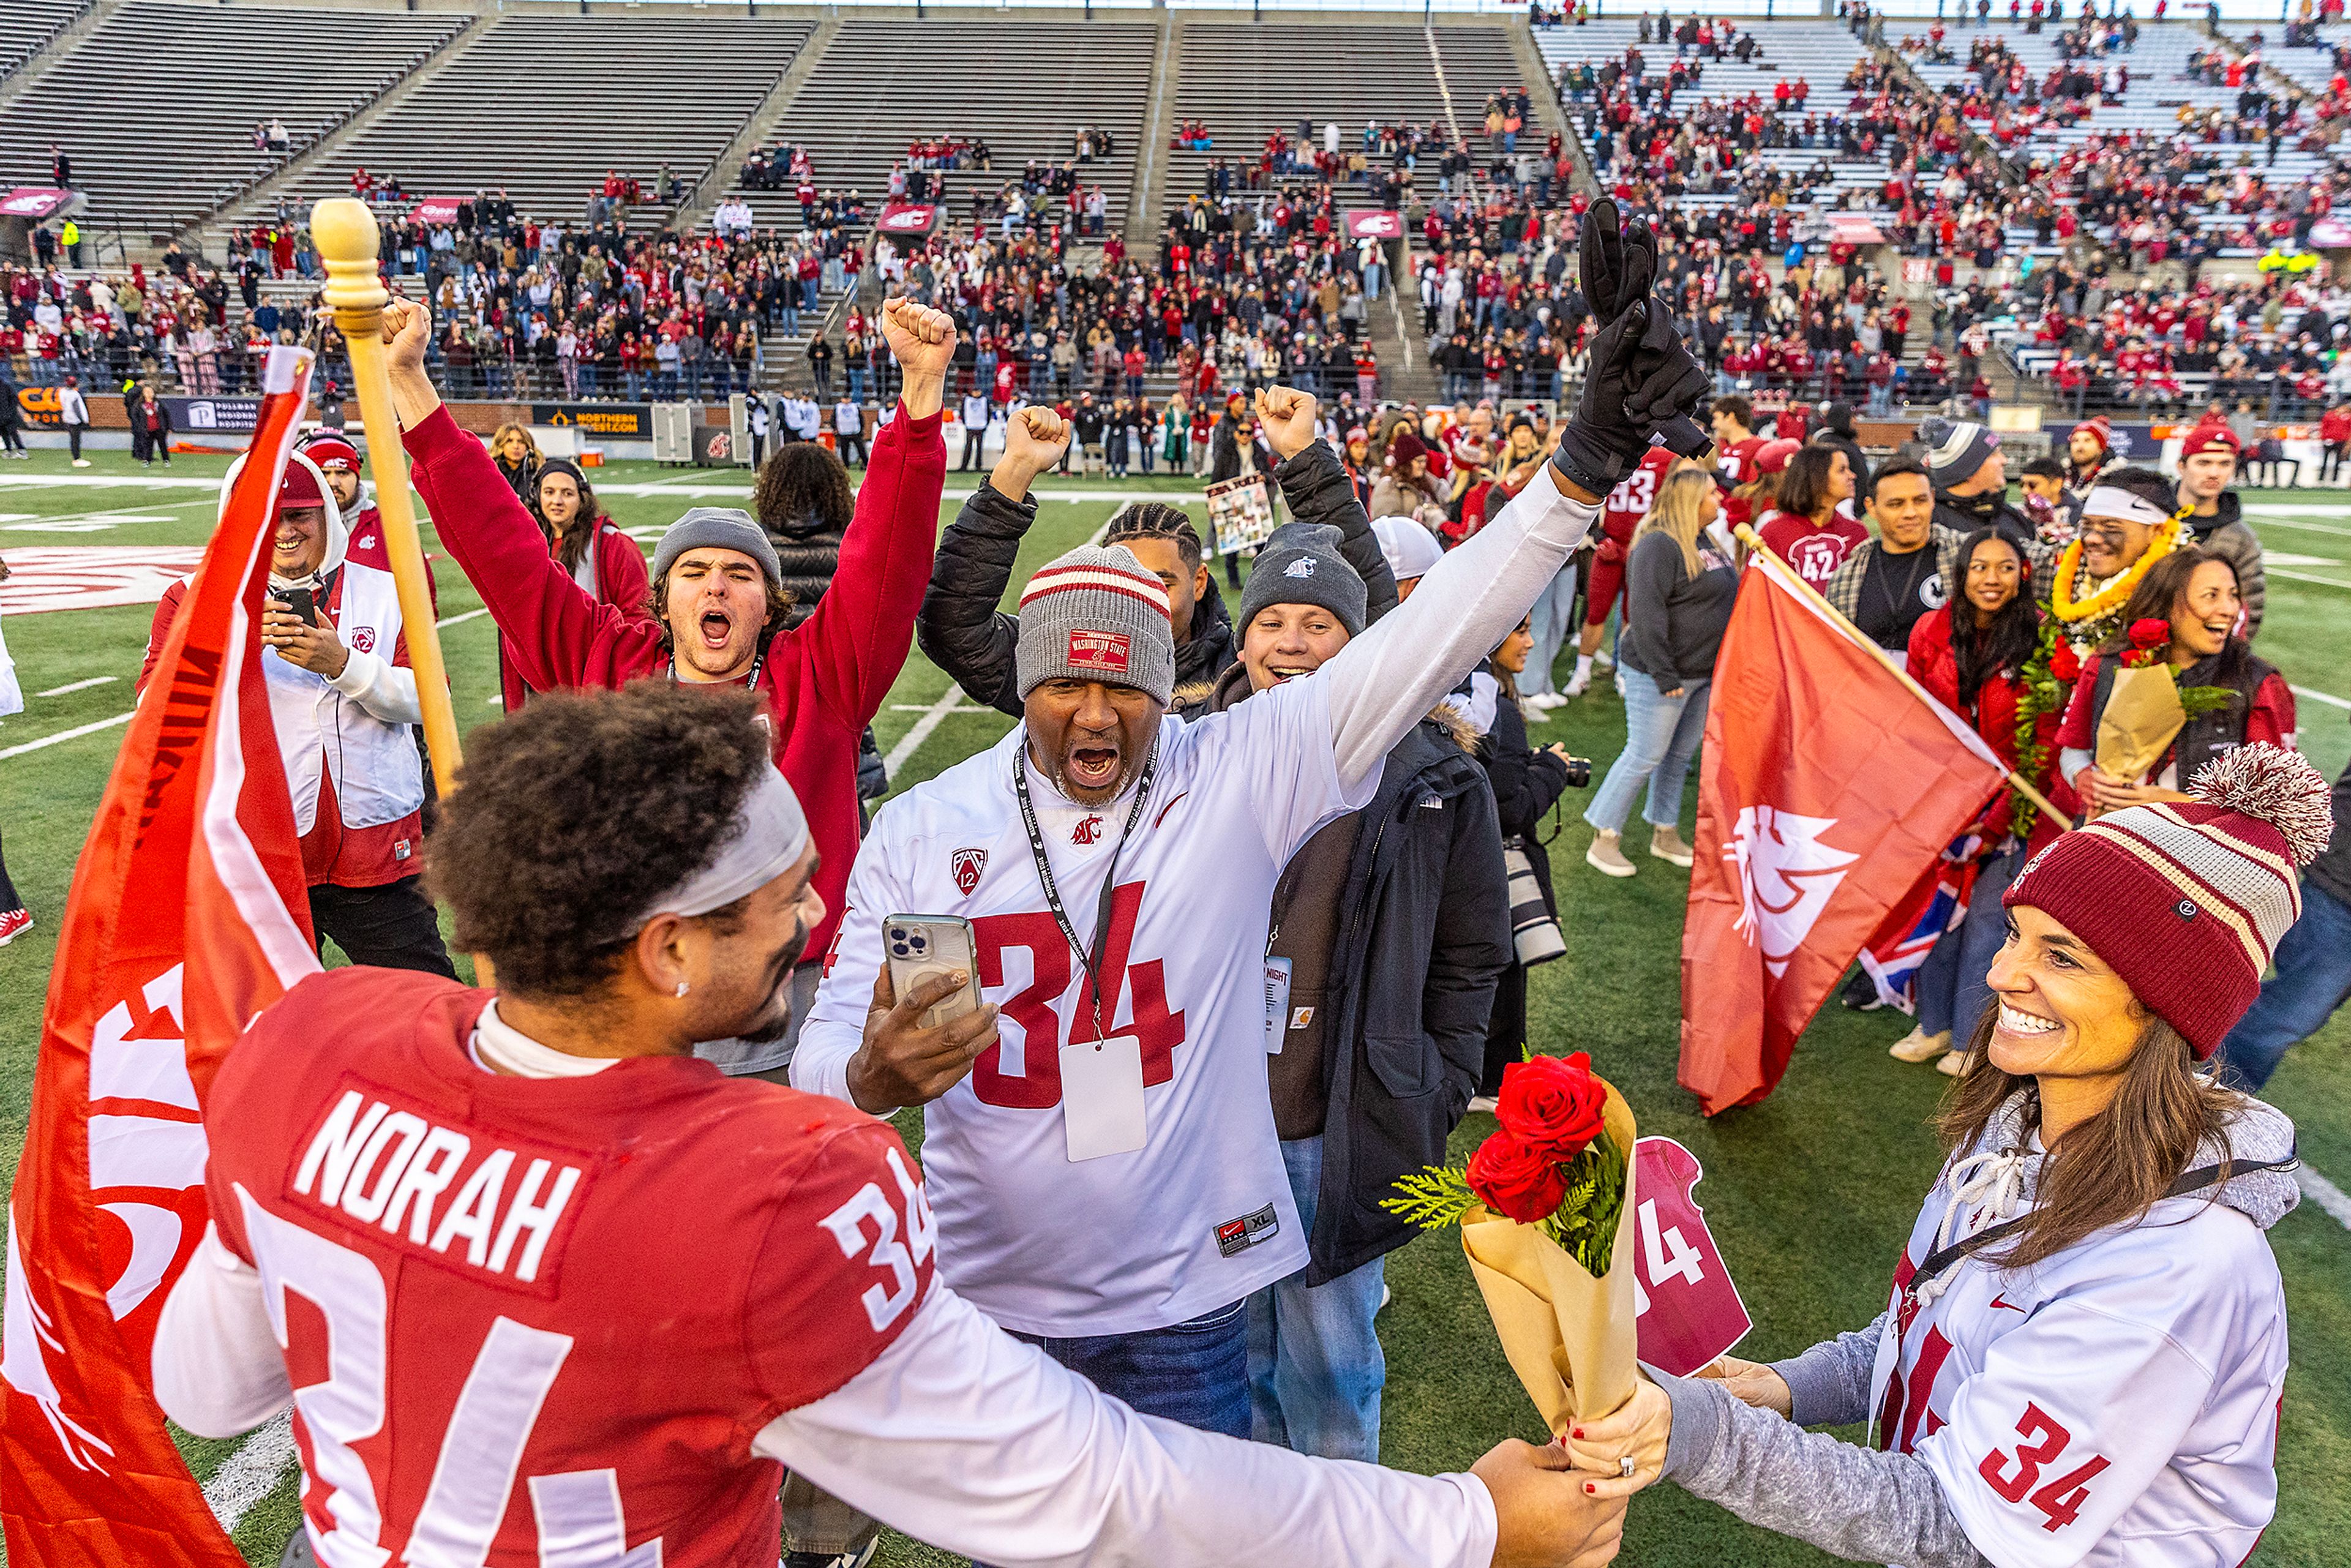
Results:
1552 1103
1515 1181
2064 664
2150 632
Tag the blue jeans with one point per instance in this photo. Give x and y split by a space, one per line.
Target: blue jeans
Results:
1315 1366
1551 620
2313 978
1195 1373
1661 740
1954 983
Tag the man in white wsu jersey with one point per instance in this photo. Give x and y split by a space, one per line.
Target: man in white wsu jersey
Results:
1107 1174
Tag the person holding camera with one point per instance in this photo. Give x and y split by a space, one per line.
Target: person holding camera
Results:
343 701
1527 783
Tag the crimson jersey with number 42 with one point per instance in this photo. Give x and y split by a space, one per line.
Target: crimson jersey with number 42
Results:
540 1322
2117 1404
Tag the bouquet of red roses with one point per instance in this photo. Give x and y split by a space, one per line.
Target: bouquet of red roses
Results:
1539 1204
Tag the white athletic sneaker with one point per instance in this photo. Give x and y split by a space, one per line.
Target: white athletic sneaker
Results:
1577 684
1533 714
1921 1046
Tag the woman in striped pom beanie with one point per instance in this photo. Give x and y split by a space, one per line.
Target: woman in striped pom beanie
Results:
2084 1349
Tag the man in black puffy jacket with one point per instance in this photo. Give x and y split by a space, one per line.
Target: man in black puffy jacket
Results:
961 630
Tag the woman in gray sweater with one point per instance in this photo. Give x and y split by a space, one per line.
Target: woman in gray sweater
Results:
1679 590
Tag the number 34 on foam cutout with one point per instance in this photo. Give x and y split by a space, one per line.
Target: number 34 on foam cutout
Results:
1689 1311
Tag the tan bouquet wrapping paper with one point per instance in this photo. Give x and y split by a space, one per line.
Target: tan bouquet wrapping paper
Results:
1571 1338
2142 718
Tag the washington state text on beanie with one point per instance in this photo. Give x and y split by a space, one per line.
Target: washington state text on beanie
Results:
1094 614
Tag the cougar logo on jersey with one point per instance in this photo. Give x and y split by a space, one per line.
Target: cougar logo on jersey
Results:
967 864
1787 874
1087 831
381 1165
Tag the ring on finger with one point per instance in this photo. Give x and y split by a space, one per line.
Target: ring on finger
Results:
1625 1466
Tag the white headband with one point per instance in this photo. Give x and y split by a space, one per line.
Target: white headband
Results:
772 834
2114 501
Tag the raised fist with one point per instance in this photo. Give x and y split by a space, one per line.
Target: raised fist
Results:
1286 416
922 340
1035 437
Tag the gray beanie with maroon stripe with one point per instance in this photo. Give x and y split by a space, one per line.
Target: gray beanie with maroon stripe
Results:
1094 614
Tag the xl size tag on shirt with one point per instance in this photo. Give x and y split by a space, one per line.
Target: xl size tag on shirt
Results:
1101 1096
1277 1004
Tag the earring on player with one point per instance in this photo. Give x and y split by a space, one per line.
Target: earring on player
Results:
681 987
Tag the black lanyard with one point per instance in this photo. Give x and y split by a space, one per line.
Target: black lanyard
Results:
750 681
1089 958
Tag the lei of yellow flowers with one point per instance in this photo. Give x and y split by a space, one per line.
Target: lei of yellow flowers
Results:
2116 593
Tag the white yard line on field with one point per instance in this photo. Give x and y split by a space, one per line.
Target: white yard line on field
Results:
259 1465
462 617
2326 1194
2329 698
78 685
2306 577
64 734
933 716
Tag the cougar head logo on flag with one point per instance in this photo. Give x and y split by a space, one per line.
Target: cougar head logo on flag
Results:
1786 877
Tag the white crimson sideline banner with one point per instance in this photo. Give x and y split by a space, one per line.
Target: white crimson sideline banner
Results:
1827 787
188 915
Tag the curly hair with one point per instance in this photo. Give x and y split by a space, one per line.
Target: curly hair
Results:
577 812
1156 521
803 489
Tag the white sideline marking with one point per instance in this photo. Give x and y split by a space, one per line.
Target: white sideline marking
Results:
2306 577
926 707
78 685
65 734
2329 698
933 716
2327 1195
255 1470
461 619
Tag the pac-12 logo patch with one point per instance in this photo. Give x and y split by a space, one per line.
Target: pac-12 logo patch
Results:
967 864
363 639
1111 652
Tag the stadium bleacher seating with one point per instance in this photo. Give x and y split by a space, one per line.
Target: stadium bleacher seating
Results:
27 25
156 106
620 74
1245 81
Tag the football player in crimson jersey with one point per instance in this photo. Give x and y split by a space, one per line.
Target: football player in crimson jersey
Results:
1620 517
542 1288
2084 1355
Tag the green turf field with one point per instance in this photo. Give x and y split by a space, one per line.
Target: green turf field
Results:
1810 1194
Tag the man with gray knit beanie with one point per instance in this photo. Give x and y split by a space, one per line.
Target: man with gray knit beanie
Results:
1104 1170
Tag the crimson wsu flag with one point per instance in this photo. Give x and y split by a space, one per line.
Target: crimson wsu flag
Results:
1828 787
187 917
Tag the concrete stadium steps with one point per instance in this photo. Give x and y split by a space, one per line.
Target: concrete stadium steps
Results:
26 25
578 96
1023 85
153 171
2309 69
1248 79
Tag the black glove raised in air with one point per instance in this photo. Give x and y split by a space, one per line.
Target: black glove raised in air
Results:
1638 379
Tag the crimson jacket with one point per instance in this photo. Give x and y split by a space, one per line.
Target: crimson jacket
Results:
824 679
621 580
1935 665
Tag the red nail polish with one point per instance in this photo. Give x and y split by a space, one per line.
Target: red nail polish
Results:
1589 1489
1578 1432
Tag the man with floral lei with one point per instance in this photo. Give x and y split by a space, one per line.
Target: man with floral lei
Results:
2126 529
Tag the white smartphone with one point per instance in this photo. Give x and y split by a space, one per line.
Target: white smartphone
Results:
921 946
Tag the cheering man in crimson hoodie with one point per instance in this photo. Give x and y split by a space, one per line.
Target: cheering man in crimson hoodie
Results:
719 604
